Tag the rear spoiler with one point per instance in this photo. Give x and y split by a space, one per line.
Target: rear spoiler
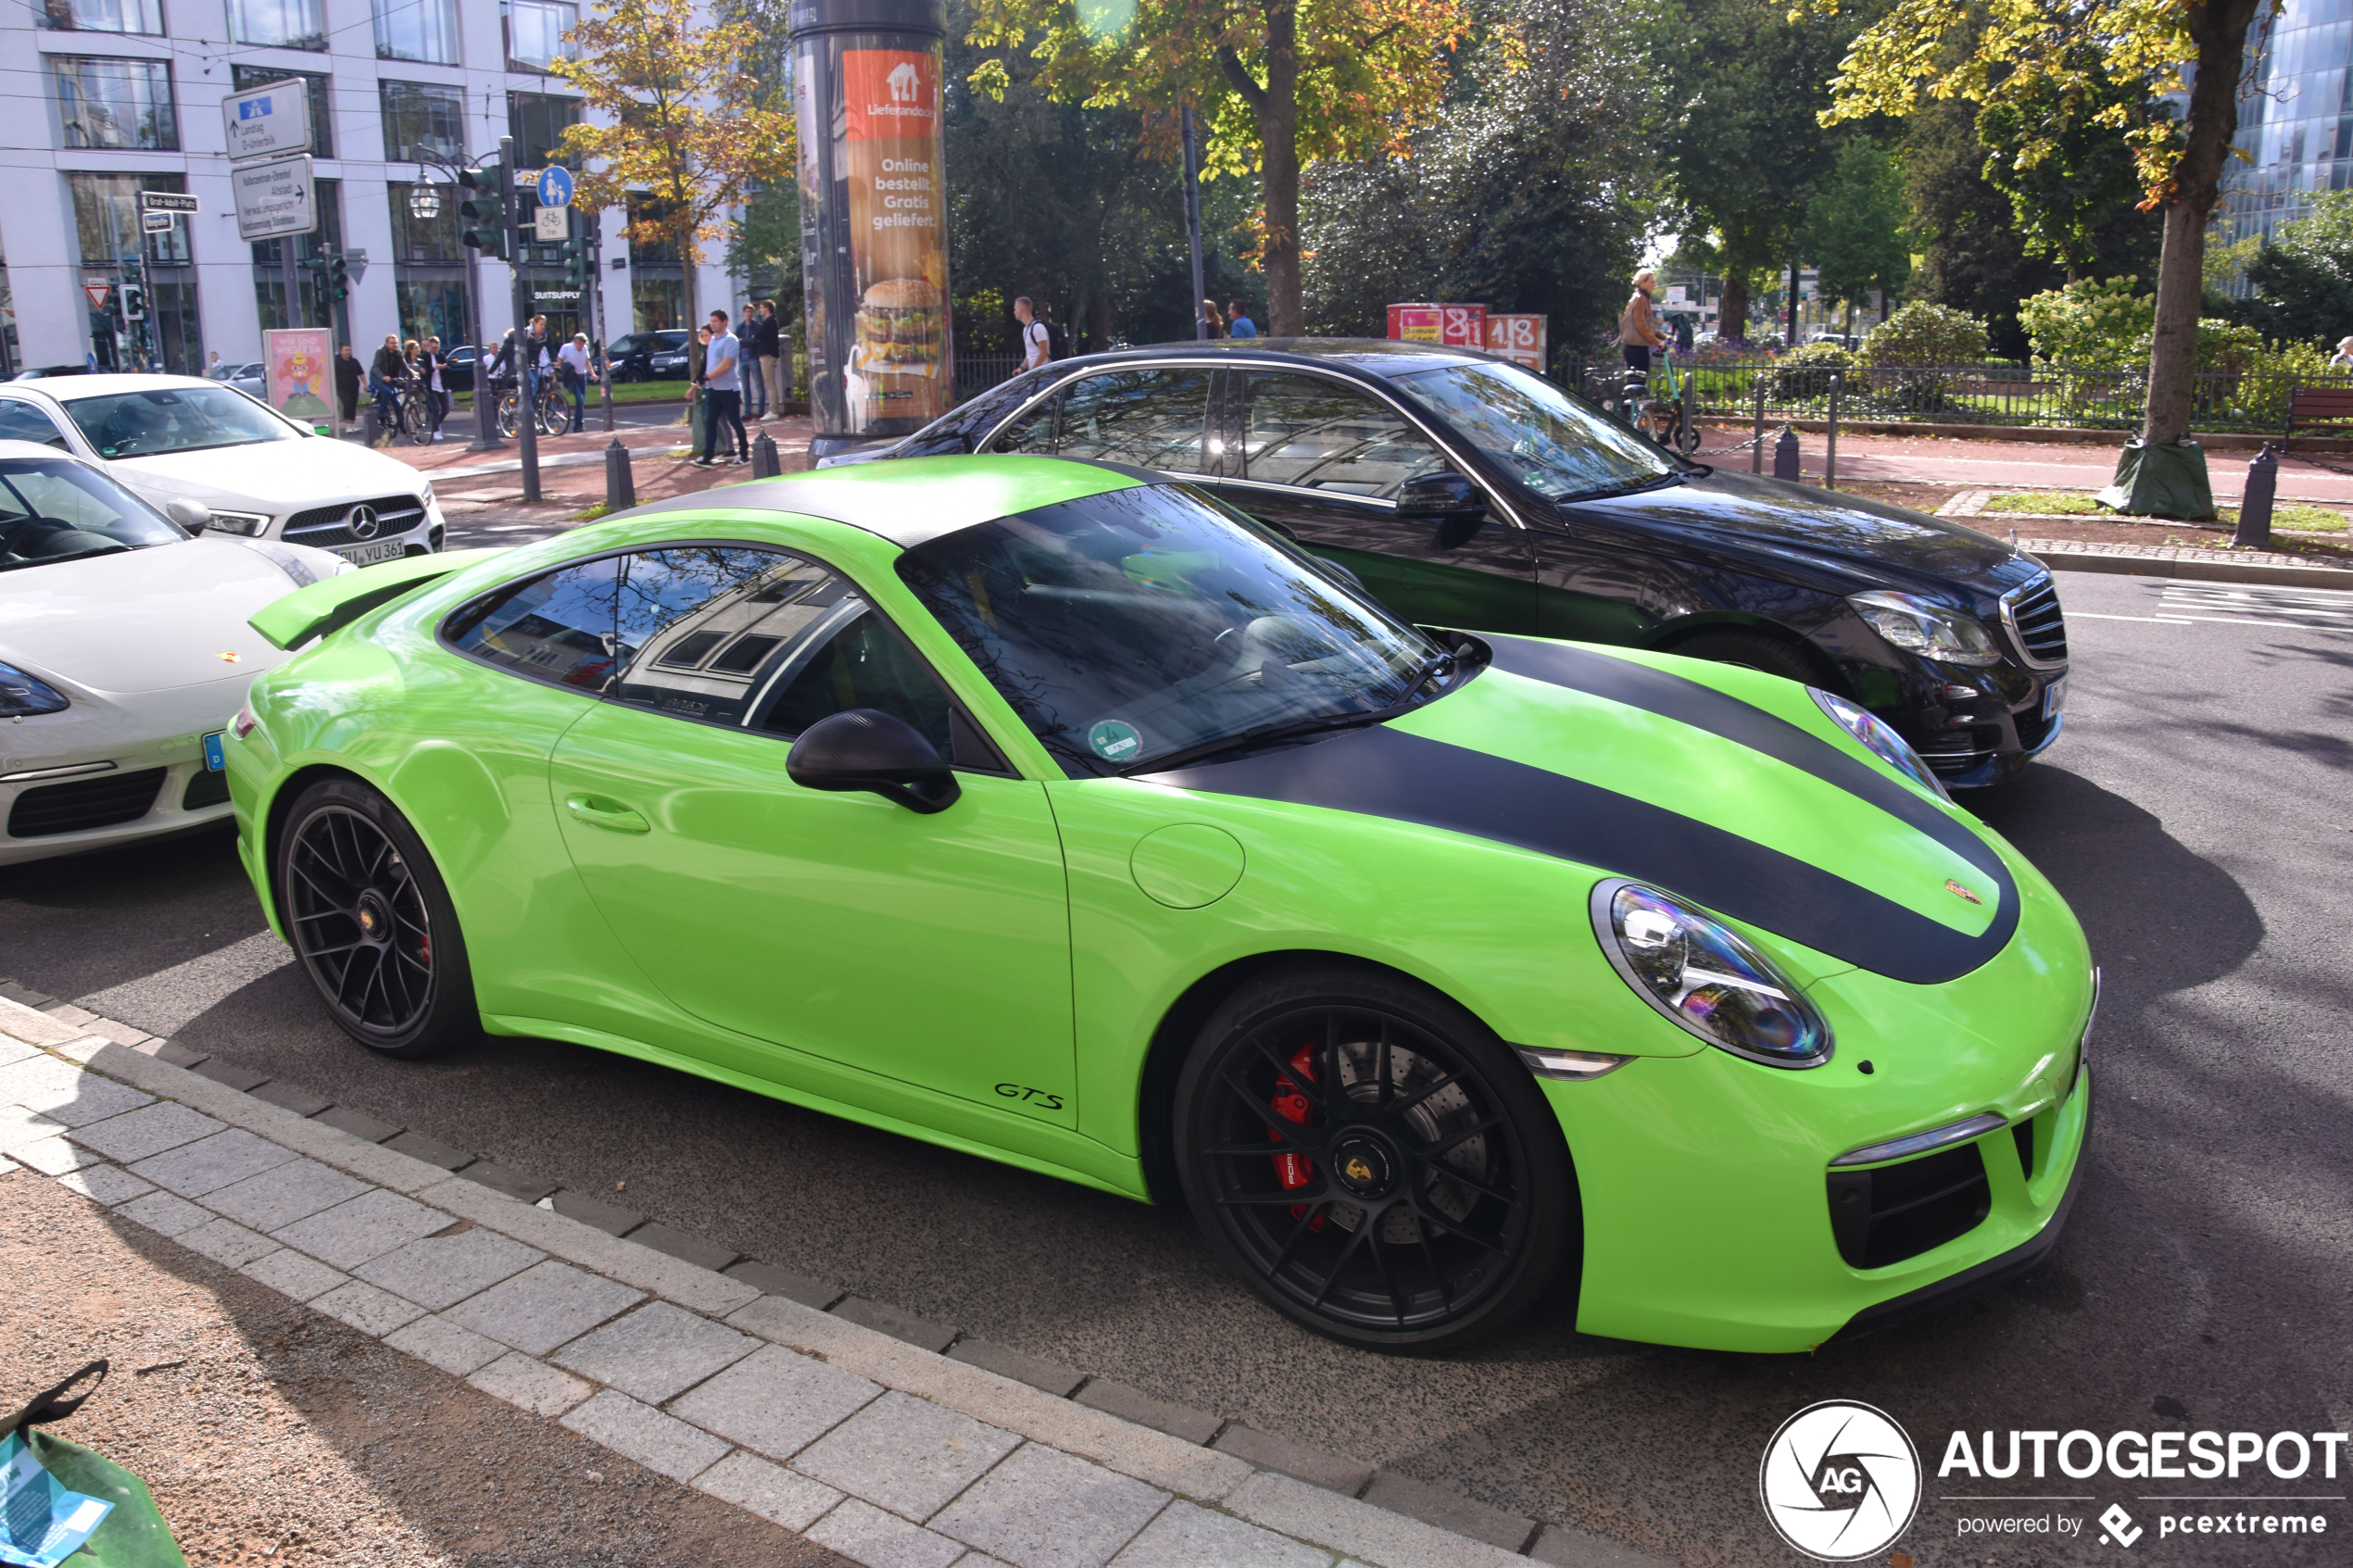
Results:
333 603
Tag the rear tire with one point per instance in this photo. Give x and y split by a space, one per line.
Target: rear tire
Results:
1750 651
372 922
1372 1161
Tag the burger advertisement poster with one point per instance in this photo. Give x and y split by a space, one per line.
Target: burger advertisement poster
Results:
889 165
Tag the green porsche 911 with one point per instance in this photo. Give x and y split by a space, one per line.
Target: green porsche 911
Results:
1060 814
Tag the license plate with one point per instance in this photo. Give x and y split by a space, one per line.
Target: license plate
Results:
368 555
2054 697
214 762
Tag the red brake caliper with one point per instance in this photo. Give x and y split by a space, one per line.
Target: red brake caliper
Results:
1290 1103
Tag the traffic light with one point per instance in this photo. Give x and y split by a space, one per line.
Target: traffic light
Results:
338 278
578 266
483 213
134 302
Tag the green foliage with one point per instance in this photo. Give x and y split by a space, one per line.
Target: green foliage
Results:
1922 333
1854 229
2100 325
2060 153
2303 278
1806 372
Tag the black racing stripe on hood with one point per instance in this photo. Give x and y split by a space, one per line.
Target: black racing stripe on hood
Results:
1387 773
1719 713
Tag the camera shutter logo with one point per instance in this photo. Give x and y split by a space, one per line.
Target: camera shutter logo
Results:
1840 1481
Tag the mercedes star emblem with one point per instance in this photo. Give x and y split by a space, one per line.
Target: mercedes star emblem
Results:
362 522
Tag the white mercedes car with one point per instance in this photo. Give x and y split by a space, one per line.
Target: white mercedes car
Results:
124 653
261 474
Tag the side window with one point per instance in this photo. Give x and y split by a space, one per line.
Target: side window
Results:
1033 432
1152 419
22 421
557 627
864 664
1325 435
702 631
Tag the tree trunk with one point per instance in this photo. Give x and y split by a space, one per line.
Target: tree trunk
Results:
1277 108
2218 26
1731 308
1099 319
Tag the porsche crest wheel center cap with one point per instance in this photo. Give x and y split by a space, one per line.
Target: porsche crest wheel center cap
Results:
1364 1163
375 917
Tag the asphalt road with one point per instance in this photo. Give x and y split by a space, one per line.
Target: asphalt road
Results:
2199 813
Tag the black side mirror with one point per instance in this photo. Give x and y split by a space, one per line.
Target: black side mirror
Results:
865 749
1447 498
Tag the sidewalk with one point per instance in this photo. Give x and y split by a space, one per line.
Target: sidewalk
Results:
830 1420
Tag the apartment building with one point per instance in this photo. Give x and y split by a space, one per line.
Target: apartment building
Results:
102 99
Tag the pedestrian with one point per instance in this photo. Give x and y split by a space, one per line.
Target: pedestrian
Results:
755 389
1036 342
212 364
385 376
1638 330
535 361
723 393
2343 358
436 395
347 369
767 357
1238 324
1214 323
576 371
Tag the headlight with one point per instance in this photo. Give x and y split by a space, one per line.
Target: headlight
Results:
249 524
1931 629
21 693
1881 741
1706 978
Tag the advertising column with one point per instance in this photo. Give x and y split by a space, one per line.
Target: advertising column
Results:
866 80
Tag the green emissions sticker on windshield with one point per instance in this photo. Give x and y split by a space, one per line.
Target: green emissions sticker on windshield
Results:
1115 741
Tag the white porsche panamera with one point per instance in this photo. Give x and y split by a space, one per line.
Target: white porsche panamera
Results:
262 475
123 654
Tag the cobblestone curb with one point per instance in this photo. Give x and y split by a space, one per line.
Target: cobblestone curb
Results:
2157 561
859 1434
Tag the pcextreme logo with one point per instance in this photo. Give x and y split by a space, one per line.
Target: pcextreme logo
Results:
1840 1481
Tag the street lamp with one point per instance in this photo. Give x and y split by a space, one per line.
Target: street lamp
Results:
424 199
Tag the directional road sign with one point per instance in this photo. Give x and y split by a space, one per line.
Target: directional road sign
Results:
274 118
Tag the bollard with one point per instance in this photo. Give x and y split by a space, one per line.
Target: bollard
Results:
621 483
1757 448
1830 452
1689 431
1785 464
2255 506
764 464
372 430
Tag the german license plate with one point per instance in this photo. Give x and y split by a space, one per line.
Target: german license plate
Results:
214 762
368 555
2054 697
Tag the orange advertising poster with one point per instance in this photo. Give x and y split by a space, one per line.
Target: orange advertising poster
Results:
1416 323
889 162
300 363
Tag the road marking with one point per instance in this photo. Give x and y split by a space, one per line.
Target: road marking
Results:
170 999
2152 619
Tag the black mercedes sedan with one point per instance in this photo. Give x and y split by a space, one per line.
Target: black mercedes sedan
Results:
1464 491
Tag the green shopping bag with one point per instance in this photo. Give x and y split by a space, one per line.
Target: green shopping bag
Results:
61 1502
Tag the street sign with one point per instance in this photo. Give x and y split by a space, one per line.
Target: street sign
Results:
97 293
555 186
274 198
274 118
551 224
166 201
157 222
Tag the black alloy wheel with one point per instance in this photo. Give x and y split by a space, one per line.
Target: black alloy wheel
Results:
371 922
1373 1160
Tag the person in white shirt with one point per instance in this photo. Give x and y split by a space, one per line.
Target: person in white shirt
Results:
1037 343
578 371
723 397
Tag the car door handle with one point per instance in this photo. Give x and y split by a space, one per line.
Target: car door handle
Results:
604 814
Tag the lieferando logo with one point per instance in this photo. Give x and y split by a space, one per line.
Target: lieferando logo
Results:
1840 1481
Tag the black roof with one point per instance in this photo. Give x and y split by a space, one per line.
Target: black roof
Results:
1375 355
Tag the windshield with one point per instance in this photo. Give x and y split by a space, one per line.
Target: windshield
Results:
60 510
175 418
1550 442
1140 623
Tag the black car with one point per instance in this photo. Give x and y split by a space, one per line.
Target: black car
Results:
1464 491
649 355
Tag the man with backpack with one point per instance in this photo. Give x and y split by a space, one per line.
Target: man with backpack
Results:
1041 341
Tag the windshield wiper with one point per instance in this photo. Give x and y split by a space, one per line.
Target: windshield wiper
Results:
1263 734
1609 491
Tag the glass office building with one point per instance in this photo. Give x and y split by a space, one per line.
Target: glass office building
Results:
2296 119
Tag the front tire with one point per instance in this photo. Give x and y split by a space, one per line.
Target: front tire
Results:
1372 1161
372 922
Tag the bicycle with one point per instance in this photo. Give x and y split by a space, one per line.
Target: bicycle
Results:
1662 419
414 409
549 416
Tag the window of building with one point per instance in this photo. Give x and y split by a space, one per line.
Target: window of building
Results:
418 239
323 122
535 32
100 16
269 279
537 122
116 104
424 116
432 306
280 24
106 230
416 30
658 253
657 303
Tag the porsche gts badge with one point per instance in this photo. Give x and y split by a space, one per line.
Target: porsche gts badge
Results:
227 655
1957 891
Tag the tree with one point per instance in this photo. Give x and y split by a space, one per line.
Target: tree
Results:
1855 231
1276 84
2303 278
2067 169
679 118
2062 60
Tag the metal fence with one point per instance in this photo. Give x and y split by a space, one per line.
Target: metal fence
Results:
975 373
1994 393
